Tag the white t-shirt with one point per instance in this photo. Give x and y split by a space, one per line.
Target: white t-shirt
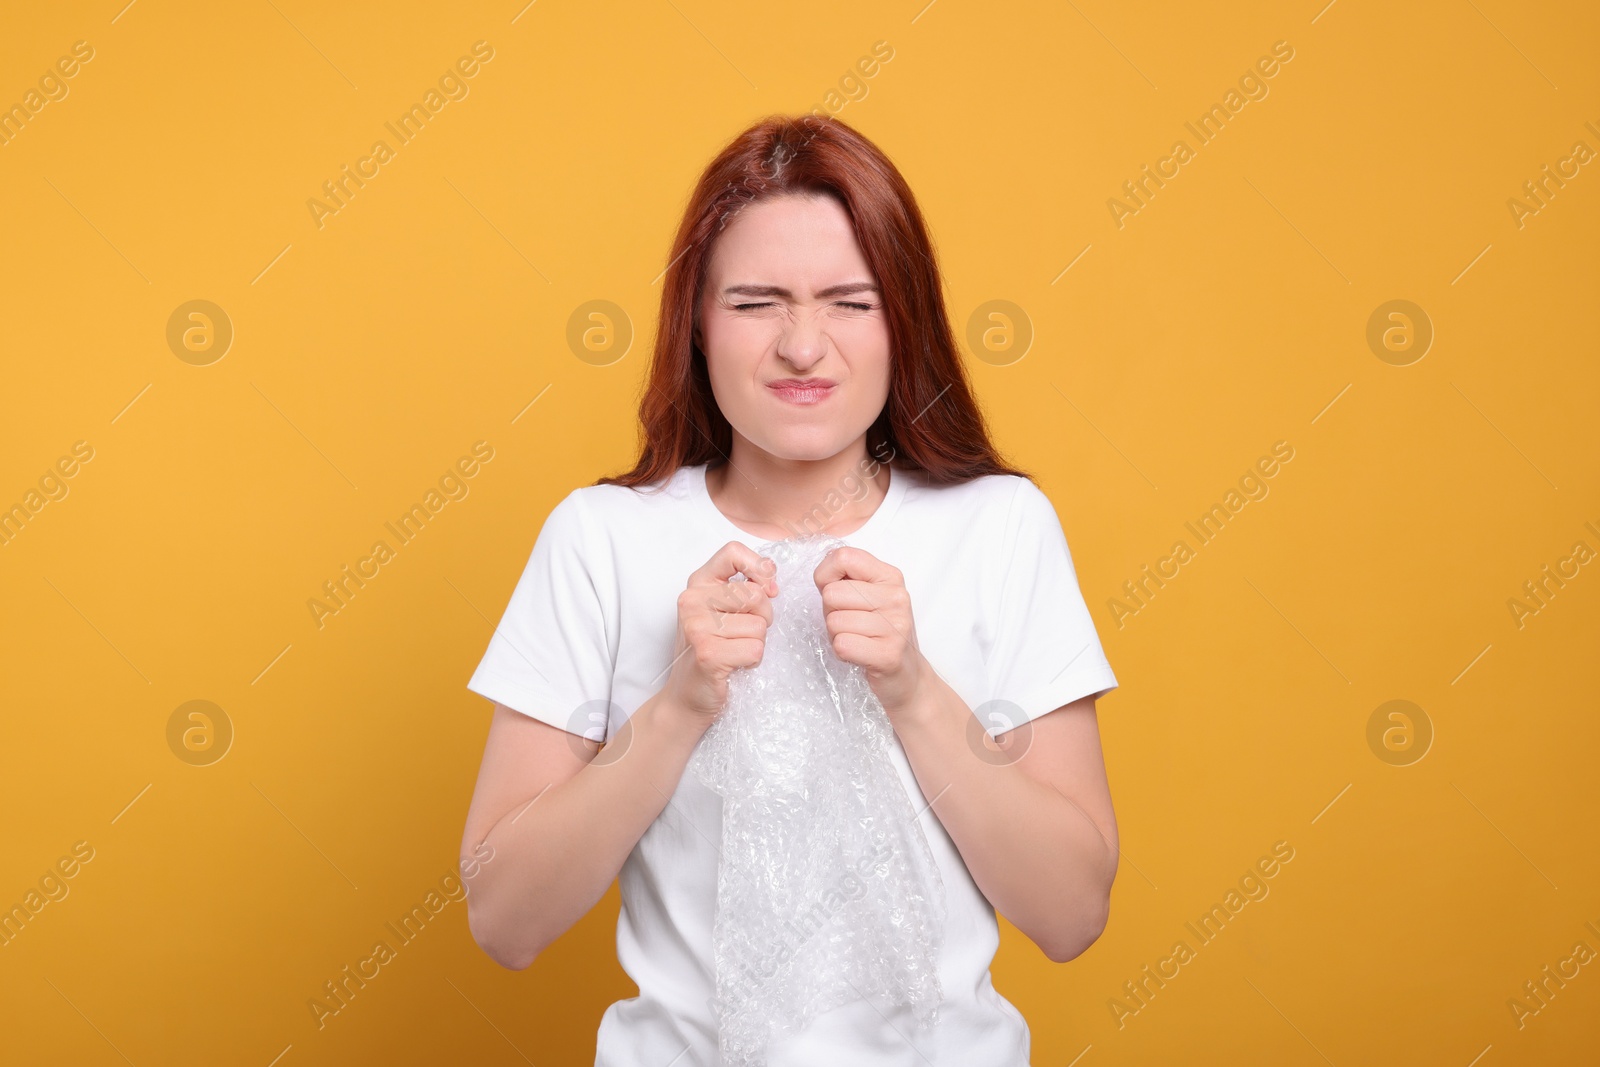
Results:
589 634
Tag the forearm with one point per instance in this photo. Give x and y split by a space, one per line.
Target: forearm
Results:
555 856
1033 853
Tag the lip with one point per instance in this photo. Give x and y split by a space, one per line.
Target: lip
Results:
803 391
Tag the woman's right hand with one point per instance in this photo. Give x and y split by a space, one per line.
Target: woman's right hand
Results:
722 626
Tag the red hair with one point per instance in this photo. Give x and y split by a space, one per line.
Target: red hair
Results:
930 421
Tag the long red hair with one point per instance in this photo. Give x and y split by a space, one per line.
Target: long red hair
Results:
930 421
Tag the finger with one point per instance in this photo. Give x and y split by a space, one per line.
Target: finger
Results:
862 651
732 595
736 598
854 593
734 626
736 558
745 653
867 624
847 561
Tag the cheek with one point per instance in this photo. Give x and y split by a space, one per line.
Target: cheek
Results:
737 339
867 349
734 349
732 356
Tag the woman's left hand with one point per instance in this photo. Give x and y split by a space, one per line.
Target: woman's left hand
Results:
868 614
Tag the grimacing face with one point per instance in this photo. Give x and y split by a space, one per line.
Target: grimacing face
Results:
789 295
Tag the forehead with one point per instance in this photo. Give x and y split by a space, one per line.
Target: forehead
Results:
787 238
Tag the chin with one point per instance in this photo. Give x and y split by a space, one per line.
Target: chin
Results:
800 450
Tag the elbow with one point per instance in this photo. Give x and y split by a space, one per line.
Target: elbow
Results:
1088 923
1072 943
1087 919
512 959
505 951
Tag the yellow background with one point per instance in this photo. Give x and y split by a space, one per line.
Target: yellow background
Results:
370 353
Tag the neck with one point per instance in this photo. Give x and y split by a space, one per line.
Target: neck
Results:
782 498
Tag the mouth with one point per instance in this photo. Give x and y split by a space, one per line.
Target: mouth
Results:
803 391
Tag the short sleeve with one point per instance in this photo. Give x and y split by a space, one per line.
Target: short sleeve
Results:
550 658
1044 651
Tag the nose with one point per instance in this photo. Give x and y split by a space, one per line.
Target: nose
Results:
802 343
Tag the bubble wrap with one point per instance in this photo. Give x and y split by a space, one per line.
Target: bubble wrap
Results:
827 891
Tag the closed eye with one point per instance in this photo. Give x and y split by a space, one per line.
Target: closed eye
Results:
843 303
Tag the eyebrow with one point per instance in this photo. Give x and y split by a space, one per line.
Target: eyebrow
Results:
842 289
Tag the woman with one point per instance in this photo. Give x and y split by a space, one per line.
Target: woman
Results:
805 380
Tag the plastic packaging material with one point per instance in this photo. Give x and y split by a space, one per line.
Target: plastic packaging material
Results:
827 892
